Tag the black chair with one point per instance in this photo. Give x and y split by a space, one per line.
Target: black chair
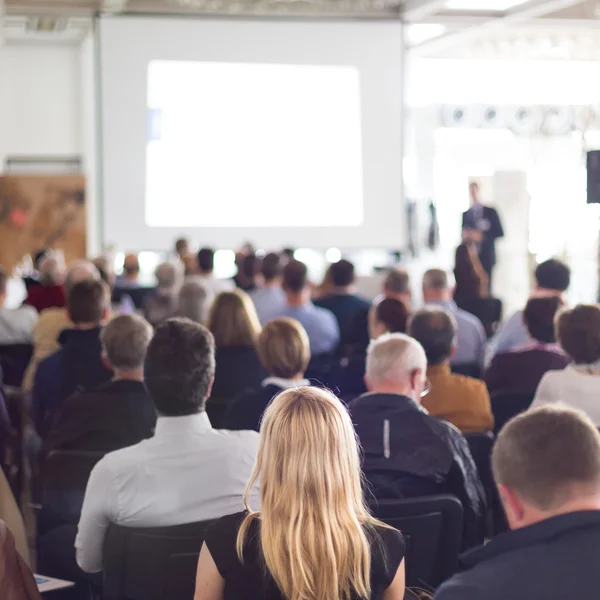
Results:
468 369
506 405
156 563
138 295
487 310
14 359
432 527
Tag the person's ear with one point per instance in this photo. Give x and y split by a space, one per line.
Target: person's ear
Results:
106 362
513 506
453 349
210 386
367 382
105 314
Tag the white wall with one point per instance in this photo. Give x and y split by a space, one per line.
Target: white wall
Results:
39 101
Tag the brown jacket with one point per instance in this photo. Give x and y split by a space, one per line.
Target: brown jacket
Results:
16 580
462 401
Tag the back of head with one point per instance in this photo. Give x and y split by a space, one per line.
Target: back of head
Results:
182 246
341 273
295 277
52 270
578 333
539 315
4 277
271 267
436 330
131 265
179 367
80 270
394 357
283 348
105 270
233 320
397 281
392 314
166 276
193 301
549 457
436 280
312 510
125 340
553 275
206 260
250 266
87 302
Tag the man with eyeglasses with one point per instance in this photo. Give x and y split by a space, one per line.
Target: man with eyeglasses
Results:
407 452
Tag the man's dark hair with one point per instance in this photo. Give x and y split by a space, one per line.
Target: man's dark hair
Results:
435 329
271 266
554 275
538 317
206 259
179 367
342 273
249 266
3 280
295 276
393 314
87 301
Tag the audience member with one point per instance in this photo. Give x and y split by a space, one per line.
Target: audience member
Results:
388 316
188 472
131 272
397 285
36 258
78 363
205 274
319 323
164 304
462 401
248 266
16 324
521 369
269 298
51 292
55 320
546 464
284 351
118 413
552 280
470 346
578 385
105 270
407 452
472 281
233 322
182 248
313 536
194 302
346 306
16 580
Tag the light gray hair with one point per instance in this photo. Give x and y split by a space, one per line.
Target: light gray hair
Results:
393 357
194 301
81 270
125 340
166 275
437 279
52 270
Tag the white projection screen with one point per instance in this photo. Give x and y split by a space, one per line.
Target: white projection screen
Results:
284 133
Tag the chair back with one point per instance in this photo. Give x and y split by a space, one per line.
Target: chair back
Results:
157 563
506 405
432 527
487 310
14 359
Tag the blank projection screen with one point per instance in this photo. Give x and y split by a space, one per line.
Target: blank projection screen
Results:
284 133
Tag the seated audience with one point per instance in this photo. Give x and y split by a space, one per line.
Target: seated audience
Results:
343 302
388 316
51 292
55 320
188 472
552 279
521 369
546 464
193 302
164 304
16 580
118 413
131 272
578 385
471 280
470 345
247 265
182 248
407 452
16 324
284 351
33 277
462 401
313 536
233 322
397 285
269 298
204 275
78 363
319 323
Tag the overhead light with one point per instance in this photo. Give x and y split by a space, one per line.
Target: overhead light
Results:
483 5
422 32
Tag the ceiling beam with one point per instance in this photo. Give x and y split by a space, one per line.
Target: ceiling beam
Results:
415 10
522 14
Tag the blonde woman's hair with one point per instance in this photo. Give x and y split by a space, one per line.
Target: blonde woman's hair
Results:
313 516
232 320
283 348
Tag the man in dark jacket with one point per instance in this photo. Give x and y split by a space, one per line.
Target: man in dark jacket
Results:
118 413
407 452
78 363
546 464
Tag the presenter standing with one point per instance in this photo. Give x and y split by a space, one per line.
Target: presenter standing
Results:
481 225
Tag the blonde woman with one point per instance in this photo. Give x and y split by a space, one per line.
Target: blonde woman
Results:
314 538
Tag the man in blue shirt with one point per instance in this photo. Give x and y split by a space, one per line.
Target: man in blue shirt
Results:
438 291
269 299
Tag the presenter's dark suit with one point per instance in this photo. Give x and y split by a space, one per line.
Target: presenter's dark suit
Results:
486 220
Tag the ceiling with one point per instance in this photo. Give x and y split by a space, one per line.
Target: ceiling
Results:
563 29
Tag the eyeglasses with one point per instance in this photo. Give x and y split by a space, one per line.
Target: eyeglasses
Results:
427 388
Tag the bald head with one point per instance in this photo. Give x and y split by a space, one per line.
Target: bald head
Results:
81 270
131 267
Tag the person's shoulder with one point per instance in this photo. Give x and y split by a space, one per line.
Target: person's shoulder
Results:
473 385
467 317
240 439
465 586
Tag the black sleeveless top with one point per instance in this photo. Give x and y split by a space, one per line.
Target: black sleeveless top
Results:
249 581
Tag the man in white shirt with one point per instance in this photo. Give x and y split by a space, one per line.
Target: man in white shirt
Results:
16 325
188 472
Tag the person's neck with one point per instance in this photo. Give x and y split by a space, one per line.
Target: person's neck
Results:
437 297
342 290
578 504
204 273
129 375
296 300
85 326
272 284
394 388
540 292
130 278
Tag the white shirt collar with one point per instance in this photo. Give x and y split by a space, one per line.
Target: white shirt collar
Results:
198 423
284 384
